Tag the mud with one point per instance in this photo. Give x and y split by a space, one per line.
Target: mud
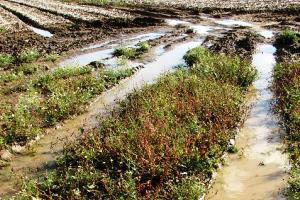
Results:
10 22
287 52
240 42
73 36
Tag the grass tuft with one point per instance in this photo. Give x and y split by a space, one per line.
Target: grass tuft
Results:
287 37
133 53
52 57
28 56
6 60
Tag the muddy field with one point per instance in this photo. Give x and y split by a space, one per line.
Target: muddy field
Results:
51 50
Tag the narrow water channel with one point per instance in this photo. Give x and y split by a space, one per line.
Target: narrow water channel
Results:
41 32
258 171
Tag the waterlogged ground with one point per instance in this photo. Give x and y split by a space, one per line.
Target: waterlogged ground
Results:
258 171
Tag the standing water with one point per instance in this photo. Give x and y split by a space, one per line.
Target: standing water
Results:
260 172
41 32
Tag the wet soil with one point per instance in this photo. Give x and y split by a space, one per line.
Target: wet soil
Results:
236 42
73 38
287 52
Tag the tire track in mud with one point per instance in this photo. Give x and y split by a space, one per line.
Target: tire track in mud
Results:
78 14
213 5
33 16
11 22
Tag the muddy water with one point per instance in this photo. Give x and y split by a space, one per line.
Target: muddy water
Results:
259 170
51 145
232 22
102 52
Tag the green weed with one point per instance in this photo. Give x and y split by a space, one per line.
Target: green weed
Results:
52 97
52 57
27 69
287 37
30 55
293 191
5 60
3 30
286 86
20 122
233 149
133 53
220 67
8 77
125 51
144 47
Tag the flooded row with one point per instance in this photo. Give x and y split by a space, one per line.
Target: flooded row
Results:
259 170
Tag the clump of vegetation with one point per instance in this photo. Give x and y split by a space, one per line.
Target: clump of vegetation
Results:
287 37
29 55
125 51
52 57
233 149
286 85
6 60
8 77
163 142
3 30
132 53
220 67
143 47
293 191
51 97
27 69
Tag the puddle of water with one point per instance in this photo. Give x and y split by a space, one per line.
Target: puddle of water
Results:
85 59
145 37
106 54
200 29
266 33
41 32
159 50
114 63
261 172
175 22
101 45
231 22
115 43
